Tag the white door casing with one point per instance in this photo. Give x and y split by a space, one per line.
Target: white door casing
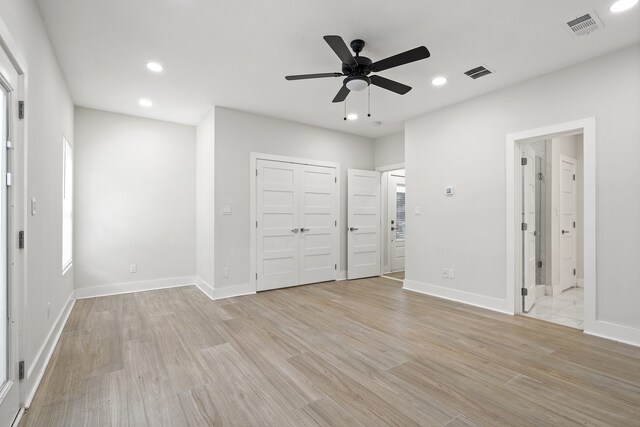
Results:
9 315
396 223
567 233
529 234
278 237
363 222
318 224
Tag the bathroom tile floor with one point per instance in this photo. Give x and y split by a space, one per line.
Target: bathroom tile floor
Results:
565 309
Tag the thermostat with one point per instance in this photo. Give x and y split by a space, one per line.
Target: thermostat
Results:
448 191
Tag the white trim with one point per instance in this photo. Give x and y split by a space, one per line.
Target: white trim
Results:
613 331
587 127
477 300
16 422
233 291
129 287
342 275
253 162
41 360
205 287
389 168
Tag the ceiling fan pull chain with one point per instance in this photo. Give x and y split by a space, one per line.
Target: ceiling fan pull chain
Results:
345 109
369 106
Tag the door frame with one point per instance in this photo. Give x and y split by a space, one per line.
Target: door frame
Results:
253 250
17 202
587 127
384 196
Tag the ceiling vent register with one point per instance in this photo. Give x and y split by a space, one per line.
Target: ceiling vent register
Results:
478 72
584 24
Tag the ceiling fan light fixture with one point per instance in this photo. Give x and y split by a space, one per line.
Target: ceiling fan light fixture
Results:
622 5
352 116
356 84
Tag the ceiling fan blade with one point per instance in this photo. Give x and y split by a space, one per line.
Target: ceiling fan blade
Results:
342 94
391 85
312 76
340 48
401 59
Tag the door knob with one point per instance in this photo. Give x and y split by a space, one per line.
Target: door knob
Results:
353 229
302 230
294 230
565 231
393 228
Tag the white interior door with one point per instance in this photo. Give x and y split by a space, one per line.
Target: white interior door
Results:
9 393
396 225
277 213
567 235
363 218
318 224
529 234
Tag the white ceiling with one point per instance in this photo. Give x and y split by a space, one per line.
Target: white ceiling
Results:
235 53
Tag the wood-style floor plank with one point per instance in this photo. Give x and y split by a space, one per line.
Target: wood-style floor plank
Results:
353 353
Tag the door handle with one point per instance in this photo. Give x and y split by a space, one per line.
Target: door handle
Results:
294 230
302 230
393 229
353 228
565 231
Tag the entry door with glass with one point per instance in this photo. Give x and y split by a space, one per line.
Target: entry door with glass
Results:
397 197
9 393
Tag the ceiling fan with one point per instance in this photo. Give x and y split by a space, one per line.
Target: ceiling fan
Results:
357 68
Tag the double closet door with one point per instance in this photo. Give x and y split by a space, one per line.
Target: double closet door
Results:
297 234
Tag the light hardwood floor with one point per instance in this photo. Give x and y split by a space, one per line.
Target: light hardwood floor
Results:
397 275
342 354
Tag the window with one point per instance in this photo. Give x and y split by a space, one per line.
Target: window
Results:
400 212
67 206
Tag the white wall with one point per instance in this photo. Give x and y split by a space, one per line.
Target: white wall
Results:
49 111
134 199
205 139
464 146
389 150
237 134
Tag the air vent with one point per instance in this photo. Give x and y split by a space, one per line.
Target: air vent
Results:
478 72
585 24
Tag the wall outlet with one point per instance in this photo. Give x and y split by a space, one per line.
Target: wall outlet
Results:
445 273
225 273
452 273
227 210
417 211
133 268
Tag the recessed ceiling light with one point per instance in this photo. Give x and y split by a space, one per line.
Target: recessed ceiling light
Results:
622 5
145 102
439 81
155 67
352 116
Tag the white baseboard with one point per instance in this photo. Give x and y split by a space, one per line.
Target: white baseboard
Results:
613 331
482 301
36 370
233 291
580 283
128 287
341 276
206 288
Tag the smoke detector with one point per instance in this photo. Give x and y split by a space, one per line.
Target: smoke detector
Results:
585 24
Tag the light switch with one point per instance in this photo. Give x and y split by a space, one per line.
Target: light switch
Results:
33 206
227 210
417 211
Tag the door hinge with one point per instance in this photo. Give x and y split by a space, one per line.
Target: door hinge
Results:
335 266
21 109
539 264
21 239
256 276
574 224
574 271
574 176
523 161
21 370
335 179
336 222
524 292
256 224
9 144
256 172
9 179
523 226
